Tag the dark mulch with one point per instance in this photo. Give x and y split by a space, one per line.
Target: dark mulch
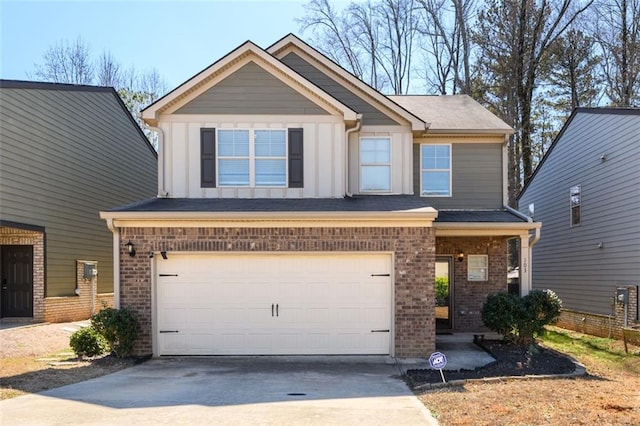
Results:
511 360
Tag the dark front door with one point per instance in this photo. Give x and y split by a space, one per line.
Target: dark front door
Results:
16 277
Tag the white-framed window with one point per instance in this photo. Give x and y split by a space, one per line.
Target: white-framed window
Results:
375 164
252 157
575 200
435 170
477 267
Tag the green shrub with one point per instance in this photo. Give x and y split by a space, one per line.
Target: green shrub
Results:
442 291
520 320
88 342
119 327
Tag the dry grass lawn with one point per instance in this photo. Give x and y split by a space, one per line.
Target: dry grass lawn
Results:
608 395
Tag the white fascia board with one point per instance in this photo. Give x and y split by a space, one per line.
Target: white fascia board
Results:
202 81
422 217
469 229
280 49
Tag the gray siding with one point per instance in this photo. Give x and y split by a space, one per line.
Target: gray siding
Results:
476 177
371 115
251 90
65 156
567 259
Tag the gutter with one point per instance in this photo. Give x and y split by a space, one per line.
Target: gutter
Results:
346 153
162 192
533 239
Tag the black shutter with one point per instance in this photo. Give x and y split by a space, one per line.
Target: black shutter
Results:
208 158
296 158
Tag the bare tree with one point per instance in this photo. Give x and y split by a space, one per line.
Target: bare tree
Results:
108 71
617 30
66 62
445 26
374 41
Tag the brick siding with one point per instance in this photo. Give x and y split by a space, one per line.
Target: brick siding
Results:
55 309
469 296
414 256
609 326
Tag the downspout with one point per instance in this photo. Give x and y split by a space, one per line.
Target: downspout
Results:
346 154
162 192
116 263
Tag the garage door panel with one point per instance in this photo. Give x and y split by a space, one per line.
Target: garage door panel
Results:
222 304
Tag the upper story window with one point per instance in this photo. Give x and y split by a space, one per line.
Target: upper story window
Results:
375 164
575 202
251 158
435 170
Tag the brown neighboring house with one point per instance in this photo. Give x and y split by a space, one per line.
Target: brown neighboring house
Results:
66 152
303 212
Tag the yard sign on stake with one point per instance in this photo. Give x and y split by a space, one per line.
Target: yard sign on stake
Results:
438 361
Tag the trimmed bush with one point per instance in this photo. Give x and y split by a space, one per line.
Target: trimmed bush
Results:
120 329
442 291
88 342
521 320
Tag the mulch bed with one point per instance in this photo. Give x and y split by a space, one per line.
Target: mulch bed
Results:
511 360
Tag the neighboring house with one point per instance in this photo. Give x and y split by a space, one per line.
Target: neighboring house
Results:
66 152
303 212
586 192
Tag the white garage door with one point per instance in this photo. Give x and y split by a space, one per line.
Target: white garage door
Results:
258 304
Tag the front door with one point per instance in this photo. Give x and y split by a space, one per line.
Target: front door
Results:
444 295
16 277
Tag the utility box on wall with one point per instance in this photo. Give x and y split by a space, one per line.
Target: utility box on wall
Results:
90 271
622 296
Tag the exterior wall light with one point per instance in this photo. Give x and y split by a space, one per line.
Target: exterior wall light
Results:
460 256
131 249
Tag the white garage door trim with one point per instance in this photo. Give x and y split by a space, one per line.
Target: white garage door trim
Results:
273 303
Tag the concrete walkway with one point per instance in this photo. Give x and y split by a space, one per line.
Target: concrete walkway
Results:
231 390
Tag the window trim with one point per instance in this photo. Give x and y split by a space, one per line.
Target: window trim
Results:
252 157
577 206
485 277
361 165
450 170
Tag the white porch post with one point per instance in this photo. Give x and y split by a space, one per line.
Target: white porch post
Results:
525 265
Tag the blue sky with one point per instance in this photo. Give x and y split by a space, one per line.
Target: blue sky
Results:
178 38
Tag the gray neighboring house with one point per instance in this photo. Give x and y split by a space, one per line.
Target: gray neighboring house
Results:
66 152
586 192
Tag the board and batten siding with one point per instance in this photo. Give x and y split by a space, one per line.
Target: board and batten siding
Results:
65 156
251 90
568 259
477 174
324 152
401 157
371 115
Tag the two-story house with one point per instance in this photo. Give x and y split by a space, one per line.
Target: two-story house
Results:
586 191
66 152
300 211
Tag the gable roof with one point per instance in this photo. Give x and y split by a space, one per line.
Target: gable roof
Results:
574 113
38 85
453 114
217 71
291 42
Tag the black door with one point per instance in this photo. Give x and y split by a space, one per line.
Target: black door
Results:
16 276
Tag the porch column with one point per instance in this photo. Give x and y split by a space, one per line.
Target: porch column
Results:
525 265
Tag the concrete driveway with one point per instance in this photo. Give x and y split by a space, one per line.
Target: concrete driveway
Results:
231 390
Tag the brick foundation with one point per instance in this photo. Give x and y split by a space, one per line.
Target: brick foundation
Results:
414 256
469 296
56 309
609 326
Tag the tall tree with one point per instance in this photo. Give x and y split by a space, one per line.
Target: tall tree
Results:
445 26
108 71
373 40
514 37
617 30
66 62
